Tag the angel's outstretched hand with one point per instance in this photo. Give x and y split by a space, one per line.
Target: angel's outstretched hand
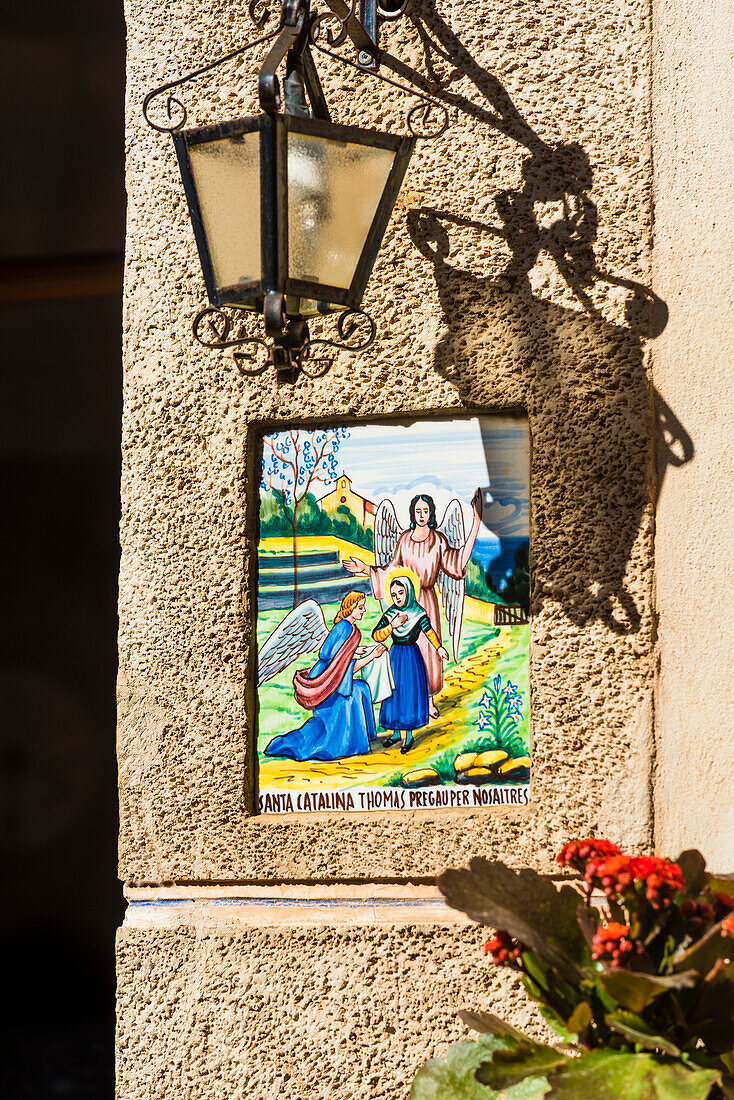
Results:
356 566
443 653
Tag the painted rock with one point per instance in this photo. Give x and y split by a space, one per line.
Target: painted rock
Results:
421 777
477 775
490 759
463 761
518 769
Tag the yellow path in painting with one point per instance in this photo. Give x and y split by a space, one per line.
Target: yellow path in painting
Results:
460 682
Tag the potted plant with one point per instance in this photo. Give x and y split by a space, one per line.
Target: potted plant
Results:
632 967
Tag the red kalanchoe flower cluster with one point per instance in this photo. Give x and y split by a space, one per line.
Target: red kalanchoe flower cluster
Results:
503 948
612 943
621 877
578 853
727 926
698 913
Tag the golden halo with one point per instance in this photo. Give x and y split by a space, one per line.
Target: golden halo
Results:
401 571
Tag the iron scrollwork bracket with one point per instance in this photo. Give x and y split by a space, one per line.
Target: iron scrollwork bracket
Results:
291 351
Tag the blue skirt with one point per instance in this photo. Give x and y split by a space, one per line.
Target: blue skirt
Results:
407 707
343 725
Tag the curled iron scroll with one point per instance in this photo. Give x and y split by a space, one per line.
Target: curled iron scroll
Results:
348 328
419 117
258 20
428 120
175 110
320 25
212 328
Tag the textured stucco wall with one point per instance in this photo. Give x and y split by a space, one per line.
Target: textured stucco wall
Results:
512 278
329 1014
692 368
537 307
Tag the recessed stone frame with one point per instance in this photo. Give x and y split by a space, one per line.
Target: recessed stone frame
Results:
583 780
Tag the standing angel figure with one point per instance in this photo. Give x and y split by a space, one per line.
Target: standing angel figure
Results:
438 555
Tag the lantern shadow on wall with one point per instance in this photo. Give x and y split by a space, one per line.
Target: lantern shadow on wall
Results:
583 377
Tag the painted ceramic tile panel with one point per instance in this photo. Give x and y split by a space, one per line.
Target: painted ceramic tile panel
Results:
392 626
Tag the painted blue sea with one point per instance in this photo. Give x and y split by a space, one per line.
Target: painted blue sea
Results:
499 560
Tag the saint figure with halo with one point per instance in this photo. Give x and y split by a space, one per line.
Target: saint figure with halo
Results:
439 555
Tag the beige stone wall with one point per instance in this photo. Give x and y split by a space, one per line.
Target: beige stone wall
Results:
692 366
328 1013
469 318
514 277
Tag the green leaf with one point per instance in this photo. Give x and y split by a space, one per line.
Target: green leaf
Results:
557 1025
580 1018
525 904
635 1029
610 1075
509 1067
488 1024
704 953
721 884
635 991
605 999
713 1016
532 989
693 869
454 1076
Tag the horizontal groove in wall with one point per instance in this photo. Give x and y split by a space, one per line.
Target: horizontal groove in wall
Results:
275 906
371 903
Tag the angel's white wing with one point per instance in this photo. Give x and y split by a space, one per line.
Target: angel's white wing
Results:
452 590
303 630
387 533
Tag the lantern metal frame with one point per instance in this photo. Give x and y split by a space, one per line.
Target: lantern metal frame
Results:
220 325
274 131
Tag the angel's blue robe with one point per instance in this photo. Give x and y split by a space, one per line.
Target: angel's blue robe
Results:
343 725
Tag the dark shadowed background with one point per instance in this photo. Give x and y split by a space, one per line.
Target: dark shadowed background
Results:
61 240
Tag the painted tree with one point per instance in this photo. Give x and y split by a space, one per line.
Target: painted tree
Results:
293 463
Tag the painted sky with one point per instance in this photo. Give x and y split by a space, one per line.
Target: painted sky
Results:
446 458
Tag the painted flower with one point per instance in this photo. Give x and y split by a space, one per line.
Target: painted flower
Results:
485 701
483 722
511 691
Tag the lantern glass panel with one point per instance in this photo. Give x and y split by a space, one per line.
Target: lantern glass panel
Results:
334 189
227 178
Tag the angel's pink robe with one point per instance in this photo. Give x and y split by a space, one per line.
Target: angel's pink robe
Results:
427 559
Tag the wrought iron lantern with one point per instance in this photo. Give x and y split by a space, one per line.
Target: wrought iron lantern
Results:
289 208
